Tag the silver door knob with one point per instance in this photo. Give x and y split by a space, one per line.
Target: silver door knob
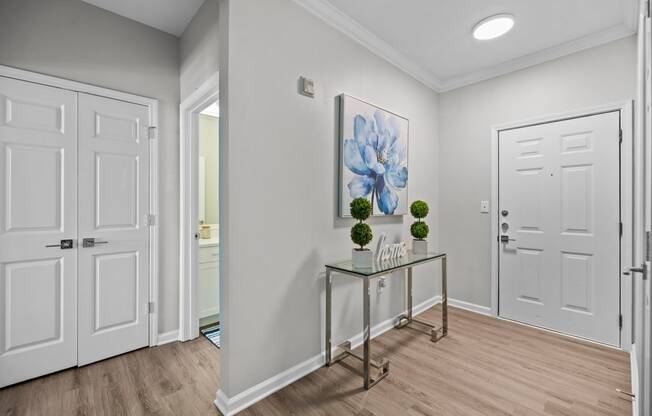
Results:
91 242
63 244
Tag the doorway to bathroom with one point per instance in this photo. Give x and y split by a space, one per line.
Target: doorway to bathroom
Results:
208 287
200 279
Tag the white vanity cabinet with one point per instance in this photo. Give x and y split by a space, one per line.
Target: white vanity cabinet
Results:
208 287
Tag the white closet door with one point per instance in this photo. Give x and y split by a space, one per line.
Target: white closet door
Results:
113 208
38 207
559 190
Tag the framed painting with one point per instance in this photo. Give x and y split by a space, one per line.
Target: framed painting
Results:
373 157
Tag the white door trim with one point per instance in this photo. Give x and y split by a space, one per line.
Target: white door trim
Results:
152 105
626 198
190 108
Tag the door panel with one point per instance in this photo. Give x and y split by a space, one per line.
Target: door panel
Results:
38 207
559 183
116 198
113 208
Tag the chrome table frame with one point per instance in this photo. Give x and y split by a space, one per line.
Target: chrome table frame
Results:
382 365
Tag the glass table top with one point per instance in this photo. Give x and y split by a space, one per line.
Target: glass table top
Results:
410 259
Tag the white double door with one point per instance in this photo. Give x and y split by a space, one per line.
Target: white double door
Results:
559 209
72 167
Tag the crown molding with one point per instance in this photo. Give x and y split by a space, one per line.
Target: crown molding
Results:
324 10
545 55
340 21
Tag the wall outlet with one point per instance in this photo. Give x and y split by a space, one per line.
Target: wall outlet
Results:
382 284
484 207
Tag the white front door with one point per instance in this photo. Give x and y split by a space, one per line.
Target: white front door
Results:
38 209
559 207
113 209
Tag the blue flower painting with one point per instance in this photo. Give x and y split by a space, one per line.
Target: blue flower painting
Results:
374 146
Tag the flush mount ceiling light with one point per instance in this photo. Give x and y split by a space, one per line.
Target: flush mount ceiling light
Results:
493 26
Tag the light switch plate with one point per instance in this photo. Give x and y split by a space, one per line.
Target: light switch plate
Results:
484 207
307 87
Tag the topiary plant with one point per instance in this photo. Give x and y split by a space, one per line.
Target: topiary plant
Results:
419 229
361 233
419 209
360 208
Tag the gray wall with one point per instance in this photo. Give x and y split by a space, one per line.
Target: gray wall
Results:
199 48
279 197
74 40
593 77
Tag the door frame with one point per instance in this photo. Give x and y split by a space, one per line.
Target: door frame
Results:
152 105
190 108
626 109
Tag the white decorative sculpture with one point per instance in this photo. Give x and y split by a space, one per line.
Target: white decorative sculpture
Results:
389 251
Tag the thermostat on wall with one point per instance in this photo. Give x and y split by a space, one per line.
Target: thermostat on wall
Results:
307 87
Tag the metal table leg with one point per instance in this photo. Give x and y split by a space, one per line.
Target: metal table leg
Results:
444 297
409 294
329 286
382 365
409 318
366 331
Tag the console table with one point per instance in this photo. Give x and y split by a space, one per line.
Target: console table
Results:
366 274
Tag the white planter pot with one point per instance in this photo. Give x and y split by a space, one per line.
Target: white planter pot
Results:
420 246
362 259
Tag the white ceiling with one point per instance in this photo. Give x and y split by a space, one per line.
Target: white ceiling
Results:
431 39
171 16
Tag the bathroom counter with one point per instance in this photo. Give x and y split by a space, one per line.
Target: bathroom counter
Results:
209 242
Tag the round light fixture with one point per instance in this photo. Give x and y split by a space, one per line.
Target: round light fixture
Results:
493 26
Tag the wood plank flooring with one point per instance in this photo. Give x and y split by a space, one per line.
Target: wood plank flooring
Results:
484 367
174 379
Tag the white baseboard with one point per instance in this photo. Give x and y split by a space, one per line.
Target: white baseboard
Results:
634 374
483 310
232 405
167 337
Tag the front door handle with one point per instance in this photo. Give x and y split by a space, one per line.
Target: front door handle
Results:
91 242
63 244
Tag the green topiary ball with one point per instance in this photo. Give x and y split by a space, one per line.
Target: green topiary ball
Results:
360 208
419 230
419 209
361 234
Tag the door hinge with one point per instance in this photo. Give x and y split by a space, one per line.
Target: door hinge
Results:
620 135
151 307
151 219
620 225
620 321
151 133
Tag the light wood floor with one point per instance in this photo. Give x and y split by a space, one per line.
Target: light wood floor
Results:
484 367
